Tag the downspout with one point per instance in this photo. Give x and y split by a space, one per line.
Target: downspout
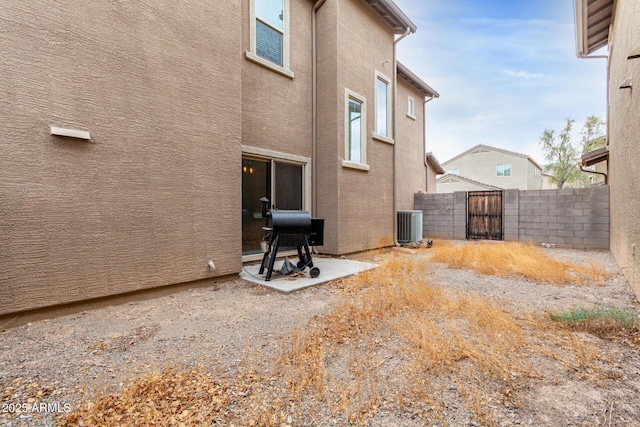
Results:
580 166
424 139
395 126
314 111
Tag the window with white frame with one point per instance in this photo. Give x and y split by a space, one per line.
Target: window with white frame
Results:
503 169
536 172
270 34
411 107
454 170
383 106
355 131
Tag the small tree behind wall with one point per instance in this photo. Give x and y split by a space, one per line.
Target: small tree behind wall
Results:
562 154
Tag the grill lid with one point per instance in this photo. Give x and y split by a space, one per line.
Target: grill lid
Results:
291 222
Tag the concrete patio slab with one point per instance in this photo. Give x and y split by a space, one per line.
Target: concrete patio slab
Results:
330 269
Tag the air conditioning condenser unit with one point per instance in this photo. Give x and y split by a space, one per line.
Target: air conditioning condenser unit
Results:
409 226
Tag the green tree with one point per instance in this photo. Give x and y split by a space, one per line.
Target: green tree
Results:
562 154
592 134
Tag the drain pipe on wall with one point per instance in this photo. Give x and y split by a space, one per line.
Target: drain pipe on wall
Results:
424 131
580 166
393 120
314 111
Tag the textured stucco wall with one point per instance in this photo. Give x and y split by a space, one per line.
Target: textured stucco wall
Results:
432 176
329 120
624 141
276 110
354 42
156 192
411 173
482 167
365 44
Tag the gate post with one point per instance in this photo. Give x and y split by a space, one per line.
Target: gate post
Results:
511 214
460 215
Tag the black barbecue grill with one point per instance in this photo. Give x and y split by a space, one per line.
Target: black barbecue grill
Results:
288 228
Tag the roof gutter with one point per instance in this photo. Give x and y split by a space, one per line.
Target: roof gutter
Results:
395 126
581 24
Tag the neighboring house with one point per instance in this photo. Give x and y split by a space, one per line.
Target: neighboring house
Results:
494 167
138 141
547 181
614 24
451 182
434 168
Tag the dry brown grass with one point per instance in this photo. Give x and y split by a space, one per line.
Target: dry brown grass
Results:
508 259
396 344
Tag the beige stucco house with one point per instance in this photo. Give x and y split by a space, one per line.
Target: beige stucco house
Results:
614 23
138 138
491 167
452 182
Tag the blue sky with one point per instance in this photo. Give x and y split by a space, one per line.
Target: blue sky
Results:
505 70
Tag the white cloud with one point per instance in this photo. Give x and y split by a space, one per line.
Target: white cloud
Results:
501 81
524 74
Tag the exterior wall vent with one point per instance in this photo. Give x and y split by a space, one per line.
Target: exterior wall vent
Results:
409 226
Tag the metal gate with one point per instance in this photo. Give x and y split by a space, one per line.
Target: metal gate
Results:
484 215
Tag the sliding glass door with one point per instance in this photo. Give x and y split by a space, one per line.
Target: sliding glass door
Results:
280 182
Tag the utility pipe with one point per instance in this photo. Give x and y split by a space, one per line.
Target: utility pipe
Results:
395 126
580 166
314 111
424 139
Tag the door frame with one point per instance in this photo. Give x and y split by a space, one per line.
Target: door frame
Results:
305 162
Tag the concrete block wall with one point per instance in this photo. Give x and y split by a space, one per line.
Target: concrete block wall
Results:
576 218
443 215
572 217
437 214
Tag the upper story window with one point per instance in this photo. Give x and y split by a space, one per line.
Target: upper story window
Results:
411 107
503 169
270 35
454 170
536 172
355 131
383 108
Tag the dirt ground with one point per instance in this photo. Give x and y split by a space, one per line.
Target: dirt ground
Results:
236 326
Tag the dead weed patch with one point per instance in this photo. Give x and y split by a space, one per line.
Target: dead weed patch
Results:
508 259
396 344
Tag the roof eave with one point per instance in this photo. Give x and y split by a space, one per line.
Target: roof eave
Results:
592 21
595 156
435 164
392 15
416 81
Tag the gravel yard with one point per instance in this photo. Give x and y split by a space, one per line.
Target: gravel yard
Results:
238 327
